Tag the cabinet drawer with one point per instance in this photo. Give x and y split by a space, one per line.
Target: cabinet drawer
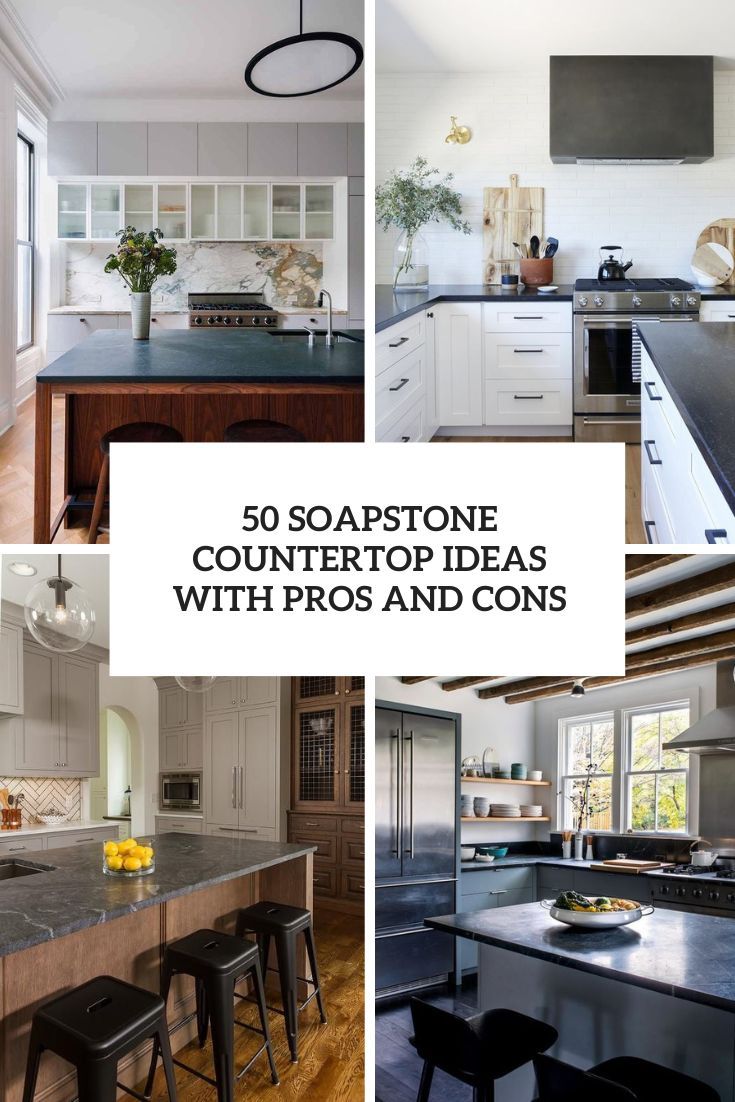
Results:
352 885
184 825
405 958
66 330
353 826
404 905
77 838
325 880
540 316
400 385
656 519
393 344
326 824
408 429
511 357
263 834
526 402
22 845
494 881
719 522
326 845
717 311
353 851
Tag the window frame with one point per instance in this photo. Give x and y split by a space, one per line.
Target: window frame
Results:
30 243
628 773
565 813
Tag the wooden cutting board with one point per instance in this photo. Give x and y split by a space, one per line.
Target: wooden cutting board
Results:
509 214
626 865
4 793
723 232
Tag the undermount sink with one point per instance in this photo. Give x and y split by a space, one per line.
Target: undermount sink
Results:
314 335
12 868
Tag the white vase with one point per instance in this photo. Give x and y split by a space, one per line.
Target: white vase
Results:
411 263
579 847
140 309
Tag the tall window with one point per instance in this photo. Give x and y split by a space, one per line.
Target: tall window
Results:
588 753
657 780
24 222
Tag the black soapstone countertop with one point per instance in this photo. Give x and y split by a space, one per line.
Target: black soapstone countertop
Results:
687 956
76 893
391 307
697 365
207 356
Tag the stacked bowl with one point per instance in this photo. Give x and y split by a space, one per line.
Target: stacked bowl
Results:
467 808
532 811
506 811
518 771
481 807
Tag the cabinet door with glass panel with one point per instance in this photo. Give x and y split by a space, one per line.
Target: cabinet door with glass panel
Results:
139 207
317 764
302 212
72 211
171 210
106 216
307 690
229 212
353 773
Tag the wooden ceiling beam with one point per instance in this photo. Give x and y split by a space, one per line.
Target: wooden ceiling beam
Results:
413 680
686 589
466 682
638 565
493 691
697 645
694 620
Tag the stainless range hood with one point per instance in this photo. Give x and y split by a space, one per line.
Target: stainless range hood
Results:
715 732
647 110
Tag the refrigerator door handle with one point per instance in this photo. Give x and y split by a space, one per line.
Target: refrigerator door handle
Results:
396 852
409 740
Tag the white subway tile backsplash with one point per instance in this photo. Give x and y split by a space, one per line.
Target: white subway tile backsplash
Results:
42 793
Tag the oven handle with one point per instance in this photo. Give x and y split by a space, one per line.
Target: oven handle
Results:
609 420
606 320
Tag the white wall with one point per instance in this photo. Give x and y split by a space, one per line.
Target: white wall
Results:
656 213
510 730
697 685
119 762
8 131
138 697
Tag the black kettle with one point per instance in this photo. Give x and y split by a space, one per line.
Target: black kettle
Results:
612 267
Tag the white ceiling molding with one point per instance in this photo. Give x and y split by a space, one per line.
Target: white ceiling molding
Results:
24 60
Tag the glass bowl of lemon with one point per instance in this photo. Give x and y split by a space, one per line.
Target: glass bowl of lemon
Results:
129 858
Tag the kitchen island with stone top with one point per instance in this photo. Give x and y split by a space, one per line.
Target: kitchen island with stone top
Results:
68 922
198 382
662 988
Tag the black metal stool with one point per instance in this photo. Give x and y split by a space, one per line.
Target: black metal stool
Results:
92 1027
218 962
622 1078
284 924
477 1049
137 432
264 432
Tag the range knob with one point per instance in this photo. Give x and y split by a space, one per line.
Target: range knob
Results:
665 889
681 891
269 320
238 320
731 897
676 300
636 300
227 320
197 320
714 896
692 300
697 893
582 300
211 320
256 320
599 301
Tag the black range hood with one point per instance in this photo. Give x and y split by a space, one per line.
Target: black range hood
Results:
631 110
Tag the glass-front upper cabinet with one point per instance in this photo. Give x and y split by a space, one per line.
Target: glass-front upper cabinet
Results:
172 210
286 212
318 211
202 211
139 207
255 211
229 212
106 213
72 210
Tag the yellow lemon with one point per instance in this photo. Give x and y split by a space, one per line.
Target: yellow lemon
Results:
114 863
111 849
127 845
146 862
138 851
131 864
149 851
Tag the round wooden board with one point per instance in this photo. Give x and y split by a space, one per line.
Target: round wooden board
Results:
721 231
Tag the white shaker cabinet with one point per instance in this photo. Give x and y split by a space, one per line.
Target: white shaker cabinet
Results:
401 381
458 359
719 309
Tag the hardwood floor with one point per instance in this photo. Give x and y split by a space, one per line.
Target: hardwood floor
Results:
16 478
331 1065
634 530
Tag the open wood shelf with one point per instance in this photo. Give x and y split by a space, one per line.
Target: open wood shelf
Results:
504 780
506 818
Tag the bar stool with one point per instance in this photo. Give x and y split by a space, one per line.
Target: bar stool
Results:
284 924
629 1076
261 431
560 1082
137 432
217 962
478 1049
92 1027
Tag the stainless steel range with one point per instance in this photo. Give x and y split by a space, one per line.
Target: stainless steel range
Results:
607 349
696 889
237 311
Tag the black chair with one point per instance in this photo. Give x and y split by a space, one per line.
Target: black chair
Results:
284 924
92 1027
137 432
622 1079
262 432
478 1049
218 962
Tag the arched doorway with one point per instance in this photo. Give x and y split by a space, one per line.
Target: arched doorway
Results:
120 769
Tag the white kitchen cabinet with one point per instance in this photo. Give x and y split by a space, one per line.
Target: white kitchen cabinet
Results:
106 218
720 309
458 359
524 402
181 824
171 210
11 670
241 692
400 381
66 330
159 322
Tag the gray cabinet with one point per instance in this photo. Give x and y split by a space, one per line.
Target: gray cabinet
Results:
355 149
172 149
241 769
180 729
240 692
78 693
122 149
82 837
272 149
177 708
356 261
11 670
487 889
322 149
72 149
183 824
222 149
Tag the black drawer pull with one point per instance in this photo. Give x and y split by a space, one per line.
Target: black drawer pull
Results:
400 386
654 462
528 397
405 439
399 342
712 535
521 351
649 525
653 397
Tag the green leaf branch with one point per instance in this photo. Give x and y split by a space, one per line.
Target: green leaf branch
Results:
140 258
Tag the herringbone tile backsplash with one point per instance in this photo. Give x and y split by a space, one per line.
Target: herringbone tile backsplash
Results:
42 793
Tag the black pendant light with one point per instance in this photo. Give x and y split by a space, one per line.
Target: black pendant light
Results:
304 64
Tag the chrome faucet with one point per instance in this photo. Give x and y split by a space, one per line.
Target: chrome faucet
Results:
330 336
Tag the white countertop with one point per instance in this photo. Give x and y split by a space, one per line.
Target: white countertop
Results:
63 828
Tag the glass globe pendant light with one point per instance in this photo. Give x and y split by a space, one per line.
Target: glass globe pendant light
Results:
195 684
304 64
59 614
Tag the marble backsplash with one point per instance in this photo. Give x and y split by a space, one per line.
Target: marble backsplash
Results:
40 794
285 274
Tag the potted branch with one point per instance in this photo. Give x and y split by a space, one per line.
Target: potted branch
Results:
140 260
410 199
586 804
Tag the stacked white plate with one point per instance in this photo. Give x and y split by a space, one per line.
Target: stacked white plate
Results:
532 811
505 811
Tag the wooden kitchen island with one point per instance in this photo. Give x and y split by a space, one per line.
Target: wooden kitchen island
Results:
198 382
70 922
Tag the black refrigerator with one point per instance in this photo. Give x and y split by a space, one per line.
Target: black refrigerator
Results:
416 861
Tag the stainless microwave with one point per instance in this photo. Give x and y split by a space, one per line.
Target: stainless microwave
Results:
182 791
